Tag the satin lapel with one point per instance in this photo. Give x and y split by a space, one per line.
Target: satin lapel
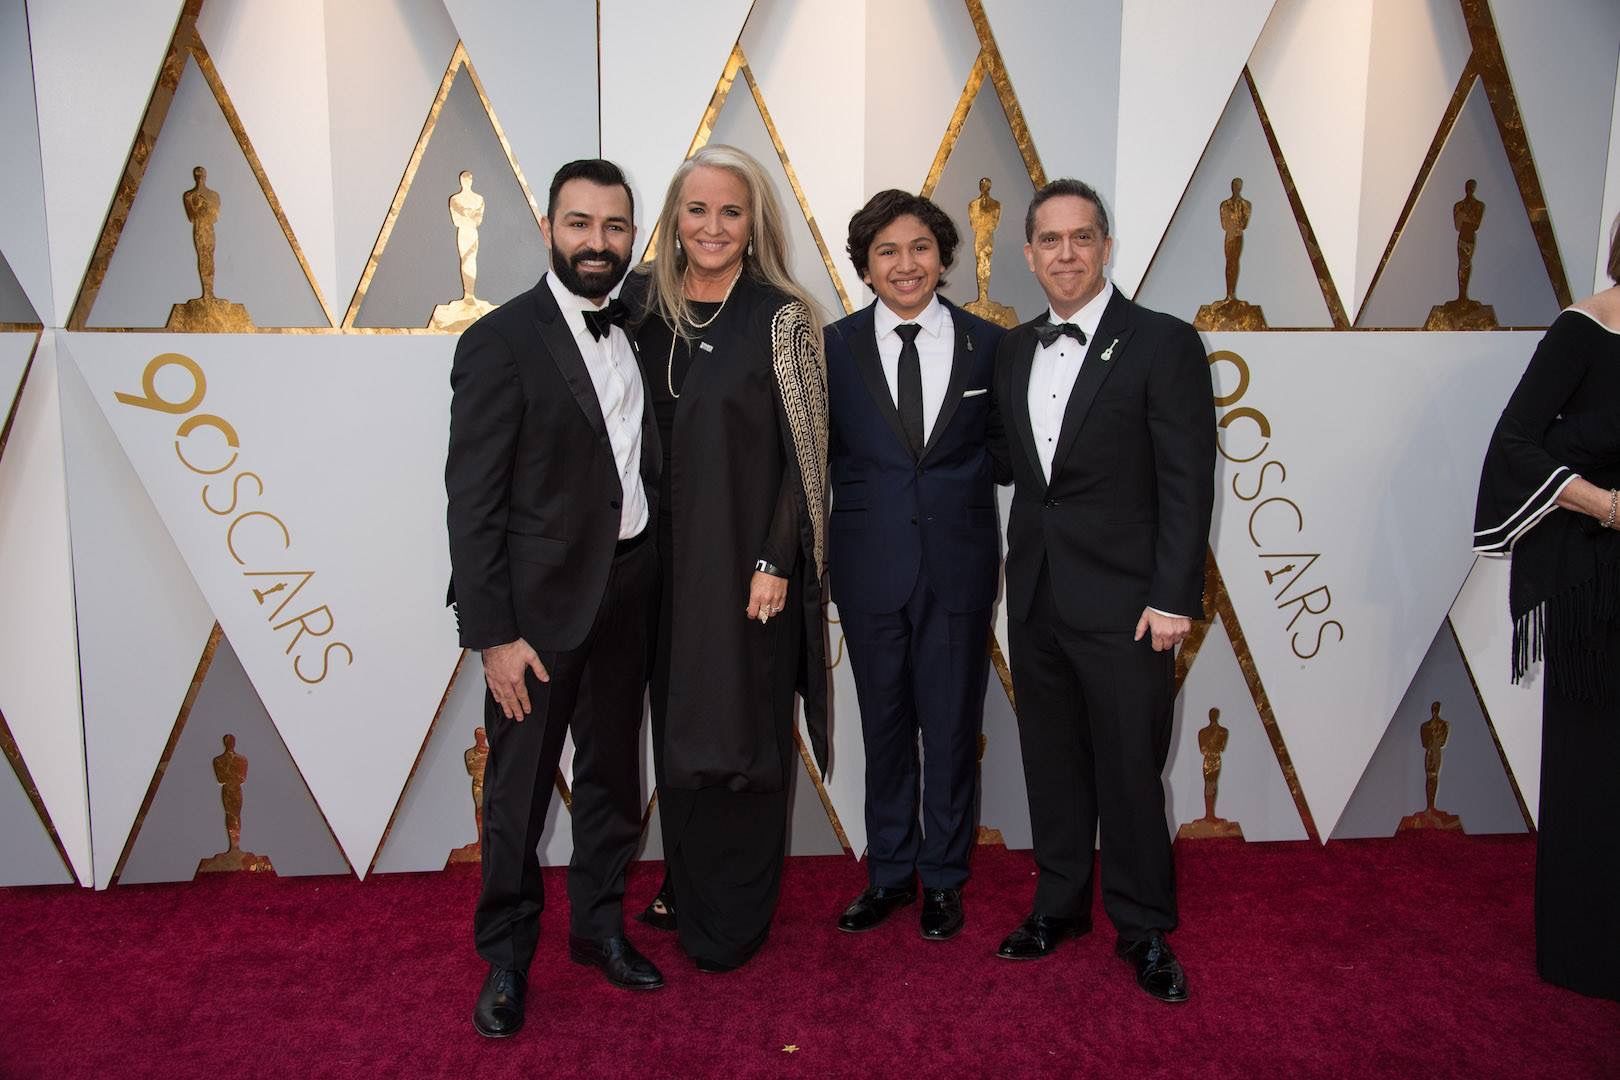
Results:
1112 336
961 360
1023 358
862 343
559 341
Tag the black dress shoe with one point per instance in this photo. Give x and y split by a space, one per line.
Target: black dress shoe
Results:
874 905
941 913
1157 969
499 1012
713 967
660 913
616 958
1038 935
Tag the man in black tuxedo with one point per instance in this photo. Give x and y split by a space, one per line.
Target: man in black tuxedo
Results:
552 467
914 548
1111 426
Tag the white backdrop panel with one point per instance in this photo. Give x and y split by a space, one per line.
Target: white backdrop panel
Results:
15 349
39 657
684 48
1178 63
538 67
794 44
1356 501
384 62
23 242
919 53
1485 631
1611 202
142 622
846 780
1311 68
1072 109
337 476
272 60
1420 50
94 68
1563 69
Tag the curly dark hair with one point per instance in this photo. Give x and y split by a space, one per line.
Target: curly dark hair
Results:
882 209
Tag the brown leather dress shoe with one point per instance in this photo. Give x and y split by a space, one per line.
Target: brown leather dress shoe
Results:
1157 969
499 1011
874 905
1038 935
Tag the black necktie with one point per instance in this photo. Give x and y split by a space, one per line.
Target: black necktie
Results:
597 320
910 395
1049 332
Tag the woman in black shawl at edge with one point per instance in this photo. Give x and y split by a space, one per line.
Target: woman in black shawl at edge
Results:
732 349
1548 495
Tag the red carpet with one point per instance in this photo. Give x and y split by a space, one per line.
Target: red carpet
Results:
1391 958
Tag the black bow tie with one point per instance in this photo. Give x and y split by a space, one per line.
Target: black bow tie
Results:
598 320
1049 332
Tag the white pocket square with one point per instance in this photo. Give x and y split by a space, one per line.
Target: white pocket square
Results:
975 393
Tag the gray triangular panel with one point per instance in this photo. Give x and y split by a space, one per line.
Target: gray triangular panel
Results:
1275 272
420 266
1003 798
986 148
27 856
1473 784
155 264
740 124
810 830
186 821
14 305
1508 271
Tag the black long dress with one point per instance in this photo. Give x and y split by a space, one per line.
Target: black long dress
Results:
735 406
1564 594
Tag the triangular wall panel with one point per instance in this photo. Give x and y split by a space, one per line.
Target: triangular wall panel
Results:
25 258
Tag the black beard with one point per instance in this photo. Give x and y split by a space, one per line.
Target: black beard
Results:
591 285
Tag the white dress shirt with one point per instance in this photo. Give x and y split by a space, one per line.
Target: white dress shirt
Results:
614 374
936 351
1051 380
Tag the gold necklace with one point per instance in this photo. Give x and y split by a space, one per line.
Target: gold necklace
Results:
669 362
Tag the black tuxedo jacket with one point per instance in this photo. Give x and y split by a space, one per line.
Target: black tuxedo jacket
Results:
1124 522
894 515
534 492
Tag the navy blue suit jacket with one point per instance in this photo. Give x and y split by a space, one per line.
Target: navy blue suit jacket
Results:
894 516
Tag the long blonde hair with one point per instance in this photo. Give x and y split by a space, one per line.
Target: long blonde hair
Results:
767 262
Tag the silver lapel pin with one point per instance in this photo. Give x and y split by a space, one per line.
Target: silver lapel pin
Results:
1108 353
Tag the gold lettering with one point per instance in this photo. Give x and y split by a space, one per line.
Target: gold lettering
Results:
262 595
224 427
149 398
303 625
230 533
1244 412
1259 481
1223 400
1294 642
326 661
235 493
1267 502
1271 577
1304 602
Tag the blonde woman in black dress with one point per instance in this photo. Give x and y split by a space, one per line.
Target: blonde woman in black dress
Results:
733 352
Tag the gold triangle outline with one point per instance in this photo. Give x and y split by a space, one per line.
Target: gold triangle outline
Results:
1490 725
186 43
1217 597
205 664
1337 318
995 69
458 60
737 65
1487 64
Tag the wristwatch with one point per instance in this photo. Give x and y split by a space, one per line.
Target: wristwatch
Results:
764 567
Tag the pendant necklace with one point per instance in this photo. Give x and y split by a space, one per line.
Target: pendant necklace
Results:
669 364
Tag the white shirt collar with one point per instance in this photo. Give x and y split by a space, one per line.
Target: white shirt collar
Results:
931 318
1088 317
572 304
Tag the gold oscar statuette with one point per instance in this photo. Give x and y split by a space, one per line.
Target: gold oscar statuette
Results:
476 757
231 771
987 835
1462 313
1212 744
984 214
1230 313
466 214
206 314
1433 732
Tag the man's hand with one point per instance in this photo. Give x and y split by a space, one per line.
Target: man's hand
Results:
1167 630
766 595
504 669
